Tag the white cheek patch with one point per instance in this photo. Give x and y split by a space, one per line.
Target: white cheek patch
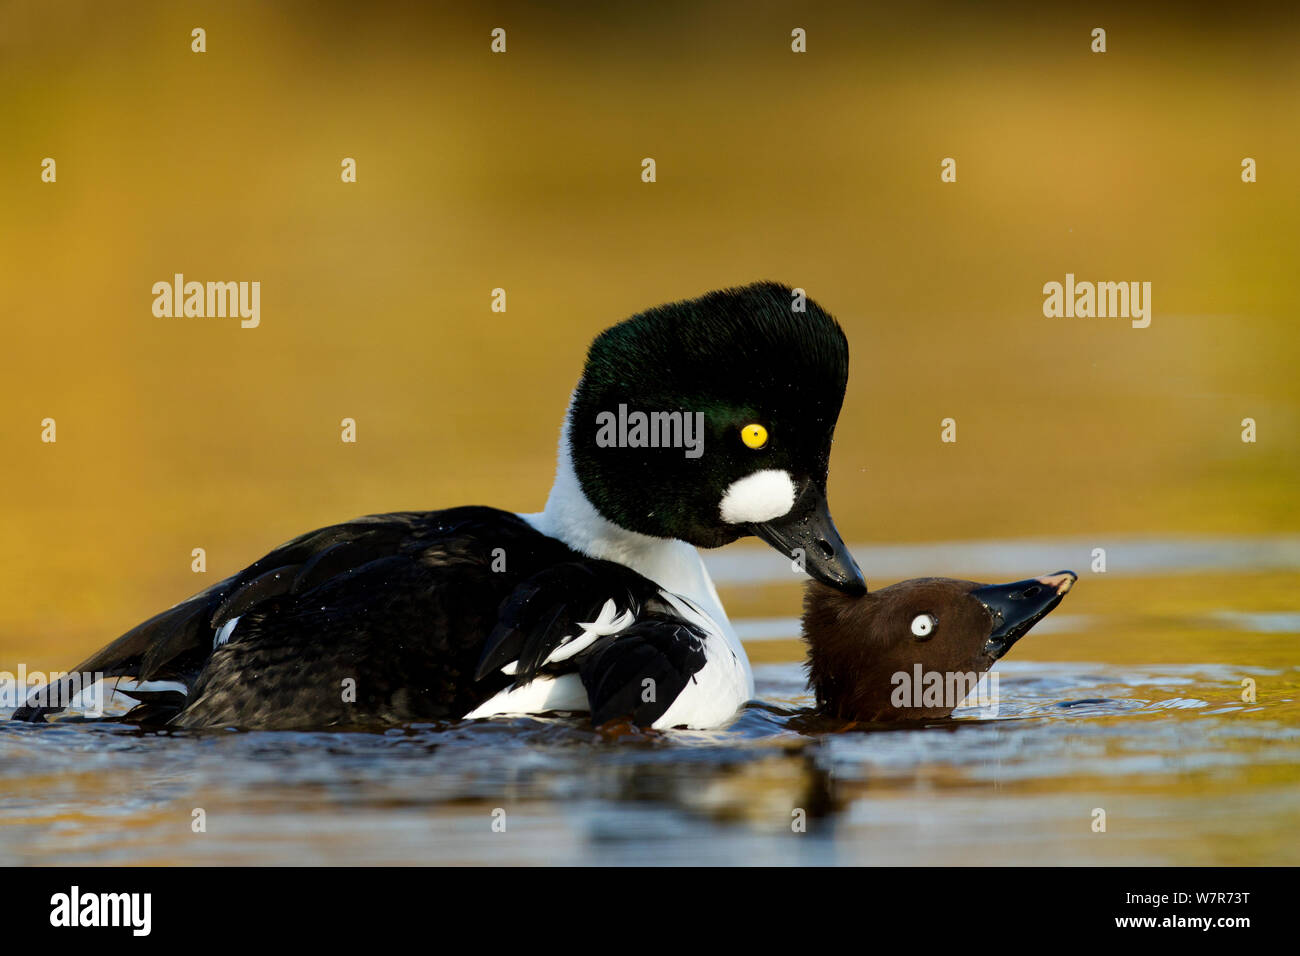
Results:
762 496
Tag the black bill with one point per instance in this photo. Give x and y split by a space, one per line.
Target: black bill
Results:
1017 607
807 533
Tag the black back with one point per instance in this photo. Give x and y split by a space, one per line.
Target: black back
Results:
396 618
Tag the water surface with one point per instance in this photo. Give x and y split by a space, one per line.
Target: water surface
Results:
1120 702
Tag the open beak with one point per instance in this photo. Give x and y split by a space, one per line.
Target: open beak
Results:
1017 607
806 532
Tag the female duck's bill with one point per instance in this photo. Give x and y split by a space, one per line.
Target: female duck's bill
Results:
866 654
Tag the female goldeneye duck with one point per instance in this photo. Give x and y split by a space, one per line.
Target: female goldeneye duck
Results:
865 651
693 424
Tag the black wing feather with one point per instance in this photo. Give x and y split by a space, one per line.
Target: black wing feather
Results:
548 607
261 588
669 653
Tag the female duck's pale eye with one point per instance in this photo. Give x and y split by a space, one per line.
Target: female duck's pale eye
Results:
754 436
923 625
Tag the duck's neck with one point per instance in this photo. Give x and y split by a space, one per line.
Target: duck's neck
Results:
672 564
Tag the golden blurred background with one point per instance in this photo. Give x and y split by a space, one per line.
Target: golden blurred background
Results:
522 171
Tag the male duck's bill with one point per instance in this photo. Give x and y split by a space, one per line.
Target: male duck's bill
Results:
807 533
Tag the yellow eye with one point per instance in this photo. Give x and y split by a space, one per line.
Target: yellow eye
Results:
755 436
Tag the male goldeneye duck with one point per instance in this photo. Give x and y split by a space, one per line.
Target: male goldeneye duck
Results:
866 651
693 424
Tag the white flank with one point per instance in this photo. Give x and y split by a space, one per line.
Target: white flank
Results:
536 697
717 690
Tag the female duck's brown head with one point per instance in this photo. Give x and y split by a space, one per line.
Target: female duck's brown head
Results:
863 649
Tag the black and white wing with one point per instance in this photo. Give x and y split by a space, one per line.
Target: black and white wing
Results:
595 636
